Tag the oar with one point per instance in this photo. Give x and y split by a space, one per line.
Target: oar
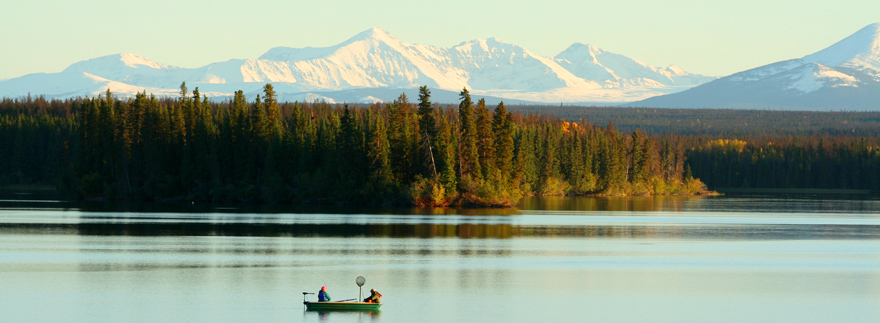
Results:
346 300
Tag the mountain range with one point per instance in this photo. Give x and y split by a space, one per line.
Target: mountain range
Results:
375 66
844 76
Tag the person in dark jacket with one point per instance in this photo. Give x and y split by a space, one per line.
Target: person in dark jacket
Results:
374 297
323 296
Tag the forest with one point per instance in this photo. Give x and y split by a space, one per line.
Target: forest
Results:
759 149
418 153
721 123
397 153
841 162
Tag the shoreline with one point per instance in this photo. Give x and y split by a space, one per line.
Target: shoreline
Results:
795 191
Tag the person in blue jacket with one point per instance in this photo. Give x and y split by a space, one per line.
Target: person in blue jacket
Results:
322 295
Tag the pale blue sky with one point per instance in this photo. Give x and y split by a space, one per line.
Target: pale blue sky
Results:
713 37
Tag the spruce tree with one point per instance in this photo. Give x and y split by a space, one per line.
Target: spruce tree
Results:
378 154
468 155
447 153
402 139
427 124
427 132
502 127
485 140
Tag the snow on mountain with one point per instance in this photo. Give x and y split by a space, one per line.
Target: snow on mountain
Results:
614 70
495 65
372 58
376 59
860 51
117 63
126 68
844 76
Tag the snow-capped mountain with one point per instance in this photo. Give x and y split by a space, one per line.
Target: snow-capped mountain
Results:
614 70
376 59
844 76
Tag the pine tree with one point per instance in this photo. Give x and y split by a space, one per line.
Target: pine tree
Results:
468 155
549 171
378 154
502 127
427 131
403 141
427 124
637 158
485 140
525 160
273 126
447 153
350 149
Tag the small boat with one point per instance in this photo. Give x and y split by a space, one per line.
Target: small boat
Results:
341 306
344 305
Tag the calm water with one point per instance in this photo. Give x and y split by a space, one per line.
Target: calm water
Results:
665 259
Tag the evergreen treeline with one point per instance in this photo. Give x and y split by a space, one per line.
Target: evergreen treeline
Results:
820 161
722 122
401 152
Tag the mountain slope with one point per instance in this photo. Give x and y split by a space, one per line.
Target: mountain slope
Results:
493 64
376 59
859 51
614 70
372 58
844 76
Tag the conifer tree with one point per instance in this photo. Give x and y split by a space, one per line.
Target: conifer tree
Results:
468 155
427 124
485 140
273 114
183 91
447 153
378 154
350 148
637 158
427 131
502 127
549 172
526 163
402 139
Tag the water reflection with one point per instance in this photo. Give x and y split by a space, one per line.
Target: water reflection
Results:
455 230
360 316
209 208
462 231
584 217
571 262
613 203
809 203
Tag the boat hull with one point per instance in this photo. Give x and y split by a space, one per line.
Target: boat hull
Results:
342 306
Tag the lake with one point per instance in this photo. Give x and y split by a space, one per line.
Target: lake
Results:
736 258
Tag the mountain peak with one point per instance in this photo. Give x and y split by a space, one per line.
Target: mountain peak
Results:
121 60
675 70
373 33
860 50
495 40
491 41
592 49
135 60
290 54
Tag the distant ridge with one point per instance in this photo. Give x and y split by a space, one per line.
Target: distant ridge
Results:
844 76
375 59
